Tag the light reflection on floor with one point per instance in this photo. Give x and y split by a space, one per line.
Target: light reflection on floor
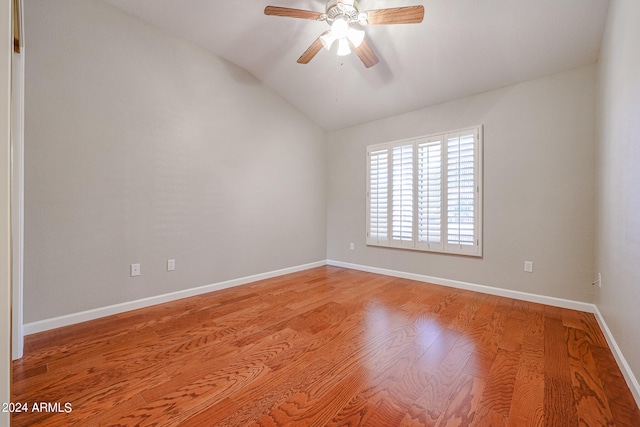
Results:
390 332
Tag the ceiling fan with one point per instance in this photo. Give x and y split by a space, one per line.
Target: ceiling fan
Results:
345 19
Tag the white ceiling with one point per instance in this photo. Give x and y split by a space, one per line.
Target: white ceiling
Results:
462 47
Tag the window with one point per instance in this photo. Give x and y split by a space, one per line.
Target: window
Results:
426 193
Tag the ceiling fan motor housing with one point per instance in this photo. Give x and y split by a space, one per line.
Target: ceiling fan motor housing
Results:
345 8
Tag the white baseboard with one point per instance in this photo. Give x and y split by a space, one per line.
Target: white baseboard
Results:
83 316
540 299
632 381
70 319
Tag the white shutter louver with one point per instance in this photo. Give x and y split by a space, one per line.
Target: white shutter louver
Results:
430 194
461 190
378 196
402 194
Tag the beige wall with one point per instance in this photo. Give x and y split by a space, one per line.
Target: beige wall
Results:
539 157
141 147
618 248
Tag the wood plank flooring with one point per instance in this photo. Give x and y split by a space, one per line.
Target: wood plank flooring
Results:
327 347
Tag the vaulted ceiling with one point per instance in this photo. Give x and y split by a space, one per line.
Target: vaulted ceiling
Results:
463 47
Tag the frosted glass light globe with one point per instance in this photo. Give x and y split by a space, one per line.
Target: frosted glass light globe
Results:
340 28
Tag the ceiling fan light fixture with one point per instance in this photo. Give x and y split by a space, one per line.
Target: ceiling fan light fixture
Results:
340 28
355 36
343 47
327 39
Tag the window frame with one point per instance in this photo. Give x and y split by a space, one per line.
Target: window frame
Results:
443 246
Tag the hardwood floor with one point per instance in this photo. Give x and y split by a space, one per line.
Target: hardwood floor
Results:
328 346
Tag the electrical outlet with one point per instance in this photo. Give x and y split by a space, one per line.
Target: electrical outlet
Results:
528 266
352 246
171 264
135 270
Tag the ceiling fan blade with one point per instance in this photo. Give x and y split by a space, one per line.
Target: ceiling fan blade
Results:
396 15
310 52
291 13
366 54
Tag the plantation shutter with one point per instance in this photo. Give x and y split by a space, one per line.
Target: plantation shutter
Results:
378 189
461 191
426 193
430 194
402 195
